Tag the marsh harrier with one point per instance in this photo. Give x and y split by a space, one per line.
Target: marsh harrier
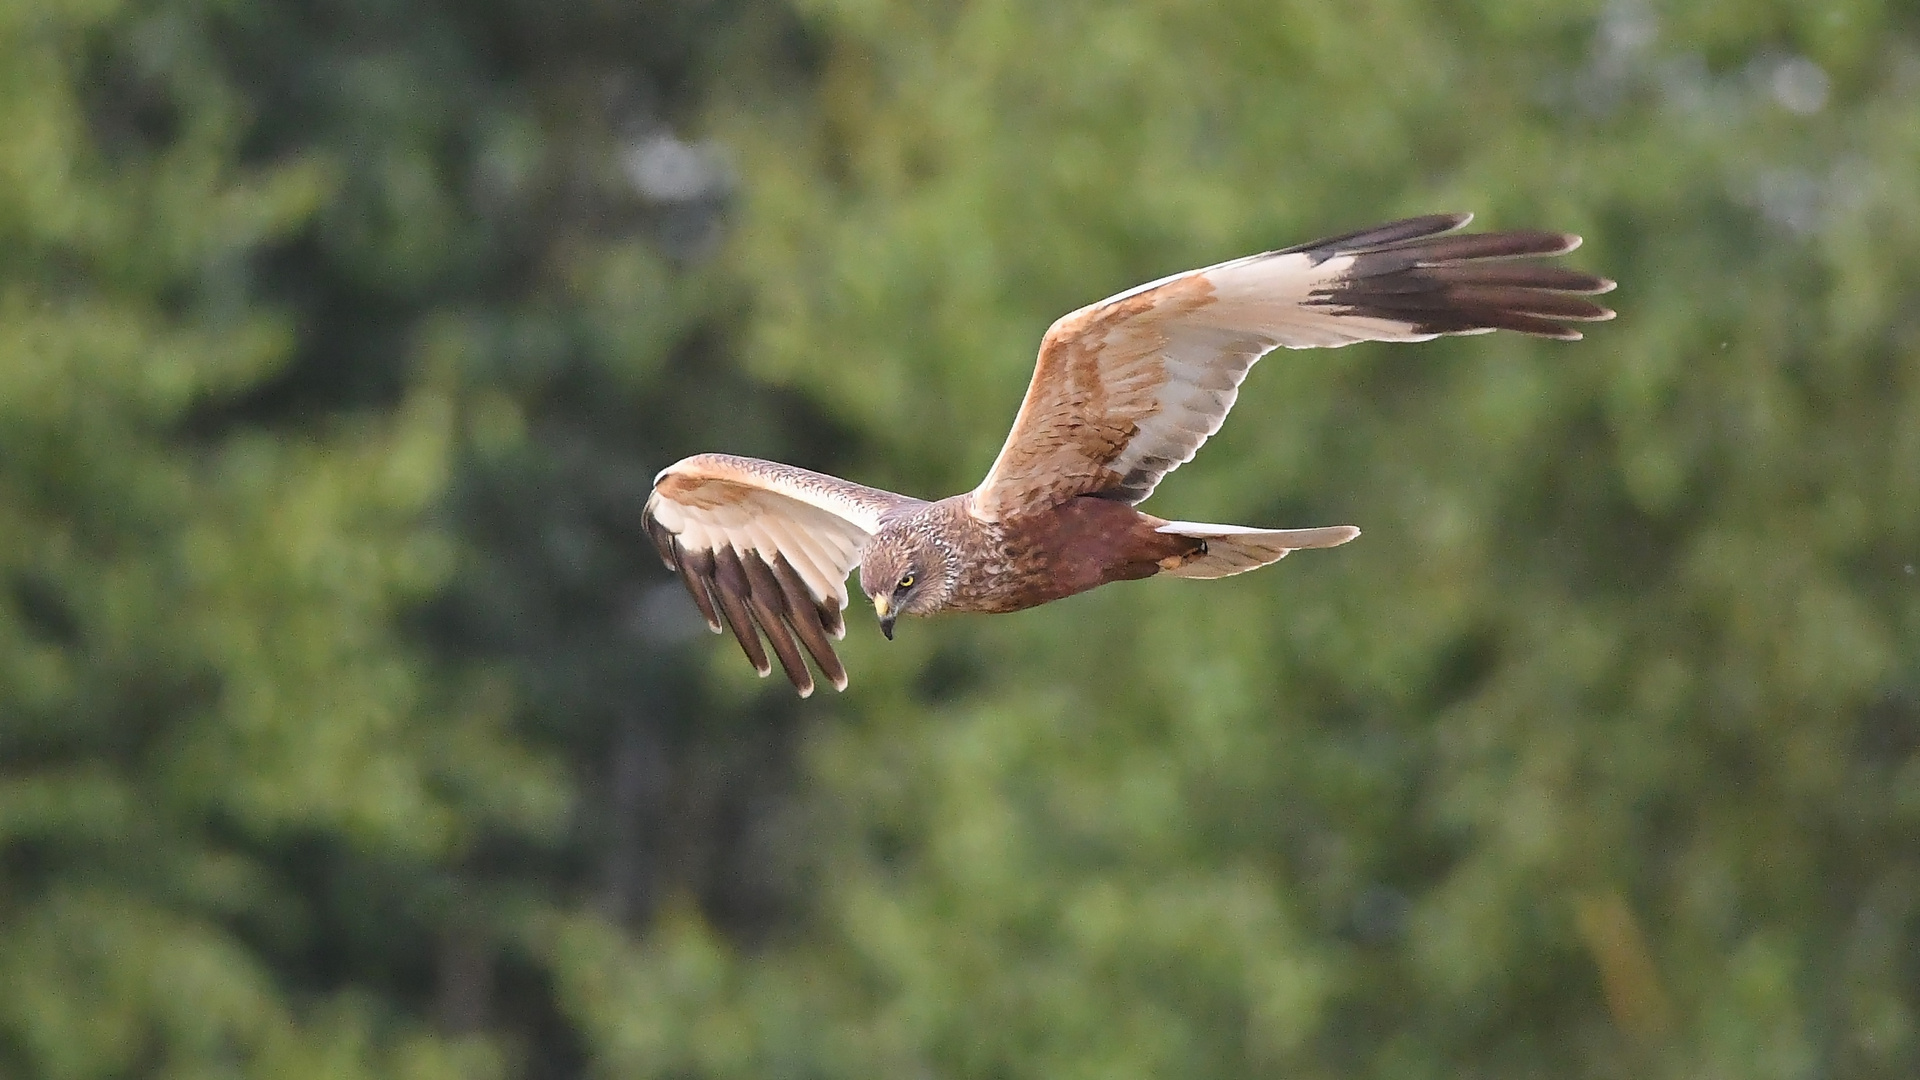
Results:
1124 392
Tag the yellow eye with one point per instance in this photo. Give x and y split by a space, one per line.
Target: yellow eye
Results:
905 584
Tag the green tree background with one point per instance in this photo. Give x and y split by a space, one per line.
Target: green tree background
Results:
349 728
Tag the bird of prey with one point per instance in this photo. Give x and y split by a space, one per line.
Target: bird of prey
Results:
1125 391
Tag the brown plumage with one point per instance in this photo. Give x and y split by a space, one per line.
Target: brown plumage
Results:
1124 392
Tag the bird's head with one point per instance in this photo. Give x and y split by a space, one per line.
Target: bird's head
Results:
905 570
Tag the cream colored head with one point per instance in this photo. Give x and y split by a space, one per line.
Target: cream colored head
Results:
907 569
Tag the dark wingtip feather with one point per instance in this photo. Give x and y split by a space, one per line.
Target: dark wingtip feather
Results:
1379 237
732 592
1526 275
1442 282
1473 247
769 603
804 614
663 539
1471 299
696 569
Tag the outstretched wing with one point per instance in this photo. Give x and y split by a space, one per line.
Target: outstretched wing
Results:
767 547
1126 390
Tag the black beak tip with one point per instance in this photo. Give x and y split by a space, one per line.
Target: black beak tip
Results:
886 627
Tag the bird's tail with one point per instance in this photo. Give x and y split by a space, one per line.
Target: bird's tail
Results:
1236 549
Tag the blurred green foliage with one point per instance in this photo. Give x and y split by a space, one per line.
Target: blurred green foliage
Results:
347 727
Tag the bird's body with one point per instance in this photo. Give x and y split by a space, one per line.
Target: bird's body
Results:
1124 392
1080 544
1036 558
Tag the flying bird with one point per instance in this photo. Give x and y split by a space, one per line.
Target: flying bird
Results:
1124 392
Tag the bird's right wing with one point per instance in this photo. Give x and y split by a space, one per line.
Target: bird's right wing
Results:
767 547
1127 389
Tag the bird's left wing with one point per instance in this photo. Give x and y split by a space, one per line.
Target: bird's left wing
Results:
767 548
1126 390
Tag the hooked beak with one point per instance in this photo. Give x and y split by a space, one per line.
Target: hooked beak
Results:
881 604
